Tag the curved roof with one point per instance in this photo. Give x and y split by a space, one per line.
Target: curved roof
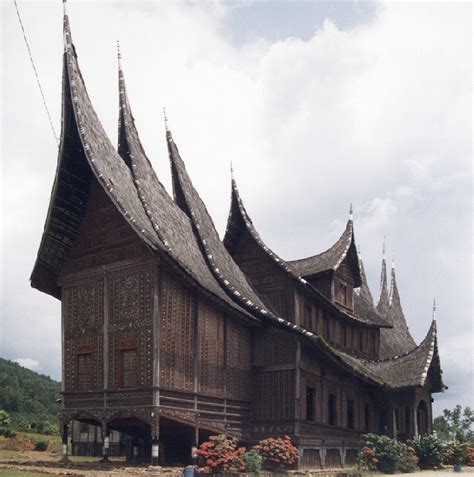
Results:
332 257
397 340
239 218
409 369
171 224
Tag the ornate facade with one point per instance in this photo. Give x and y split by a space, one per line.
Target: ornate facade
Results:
170 334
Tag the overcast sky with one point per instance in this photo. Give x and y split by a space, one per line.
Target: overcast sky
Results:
316 104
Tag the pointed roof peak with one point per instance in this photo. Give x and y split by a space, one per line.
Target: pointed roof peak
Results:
383 247
350 211
434 309
393 264
119 56
232 171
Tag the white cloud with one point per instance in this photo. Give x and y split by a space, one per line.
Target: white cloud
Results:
378 115
28 363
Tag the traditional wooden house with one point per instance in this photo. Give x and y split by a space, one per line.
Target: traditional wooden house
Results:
170 335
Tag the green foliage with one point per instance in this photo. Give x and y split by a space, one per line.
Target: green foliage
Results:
5 425
456 453
252 461
386 455
455 425
277 453
29 398
430 451
41 445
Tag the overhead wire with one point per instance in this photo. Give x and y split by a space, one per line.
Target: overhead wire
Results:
36 73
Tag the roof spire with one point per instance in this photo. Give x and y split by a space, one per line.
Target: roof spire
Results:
393 263
166 119
350 211
383 248
434 309
231 171
64 8
119 55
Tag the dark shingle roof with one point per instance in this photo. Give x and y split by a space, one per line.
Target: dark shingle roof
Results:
239 219
364 303
171 225
332 257
407 370
397 340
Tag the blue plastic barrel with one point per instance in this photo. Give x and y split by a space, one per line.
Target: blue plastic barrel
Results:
189 471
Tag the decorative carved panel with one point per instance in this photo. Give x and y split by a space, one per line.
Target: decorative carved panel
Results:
177 309
211 349
239 361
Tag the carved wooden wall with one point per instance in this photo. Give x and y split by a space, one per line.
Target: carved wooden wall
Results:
266 276
239 361
83 315
211 349
177 314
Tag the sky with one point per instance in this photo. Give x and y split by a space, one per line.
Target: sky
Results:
317 105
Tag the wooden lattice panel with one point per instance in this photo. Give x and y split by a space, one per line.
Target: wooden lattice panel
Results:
211 349
131 299
83 356
274 347
136 342
176 334
239 361
275 394
83 307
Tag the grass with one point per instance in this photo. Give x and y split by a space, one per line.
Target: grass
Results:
20 473
9 454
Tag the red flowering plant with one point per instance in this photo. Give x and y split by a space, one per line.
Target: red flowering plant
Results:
220 454
277 453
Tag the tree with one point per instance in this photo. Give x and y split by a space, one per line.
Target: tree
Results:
455 425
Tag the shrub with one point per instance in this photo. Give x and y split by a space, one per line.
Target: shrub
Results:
470 456
386 455
219 454
41 445
252 461
277 453
430 451
456 453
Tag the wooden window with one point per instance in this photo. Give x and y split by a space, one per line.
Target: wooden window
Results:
366 417
130 368
343 294
373 339
310 403
307 316
84 372
350 414
326 327
344 335
407 419
332 410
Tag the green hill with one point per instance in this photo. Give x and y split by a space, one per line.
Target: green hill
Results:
29 398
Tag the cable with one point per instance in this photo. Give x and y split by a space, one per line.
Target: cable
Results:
36 74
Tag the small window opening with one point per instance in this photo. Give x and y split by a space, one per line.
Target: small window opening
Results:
310 402
332 407
350 414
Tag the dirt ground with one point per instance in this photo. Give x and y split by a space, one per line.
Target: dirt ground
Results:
48 463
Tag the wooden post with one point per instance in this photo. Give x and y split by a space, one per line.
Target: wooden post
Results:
105 442
64 438
155 444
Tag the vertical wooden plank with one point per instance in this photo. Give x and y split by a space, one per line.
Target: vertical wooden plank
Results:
297 370
106 334
156 336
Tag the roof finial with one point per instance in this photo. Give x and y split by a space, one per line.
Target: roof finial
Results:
166 120
434 309
231 171
383 248
64 8
350 211
393 263
119 55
